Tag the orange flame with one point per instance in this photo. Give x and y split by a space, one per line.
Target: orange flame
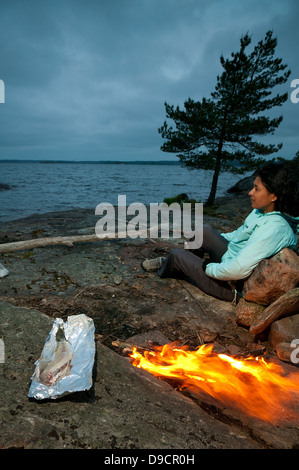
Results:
260 388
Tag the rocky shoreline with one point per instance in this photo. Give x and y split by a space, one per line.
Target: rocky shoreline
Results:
127 407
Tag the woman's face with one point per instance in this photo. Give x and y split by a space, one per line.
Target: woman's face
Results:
260 196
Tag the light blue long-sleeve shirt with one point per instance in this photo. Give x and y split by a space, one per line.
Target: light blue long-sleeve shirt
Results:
261 236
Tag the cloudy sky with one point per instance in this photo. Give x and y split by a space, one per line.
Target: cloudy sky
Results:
87 79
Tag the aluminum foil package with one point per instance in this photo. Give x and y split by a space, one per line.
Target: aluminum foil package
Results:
67 359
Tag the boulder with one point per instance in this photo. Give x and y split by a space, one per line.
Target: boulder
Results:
284 330
246 312
272 278
284 338
287 353
244 185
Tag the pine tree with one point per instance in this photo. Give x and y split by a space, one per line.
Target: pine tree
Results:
215 133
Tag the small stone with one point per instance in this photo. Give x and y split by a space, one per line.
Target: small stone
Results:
234 350
117 280
207 336
218 348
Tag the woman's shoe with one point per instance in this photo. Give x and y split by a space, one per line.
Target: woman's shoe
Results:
152 264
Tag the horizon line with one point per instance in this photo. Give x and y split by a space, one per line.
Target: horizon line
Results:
7 160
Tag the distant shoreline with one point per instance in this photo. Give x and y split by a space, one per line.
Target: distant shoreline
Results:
99 162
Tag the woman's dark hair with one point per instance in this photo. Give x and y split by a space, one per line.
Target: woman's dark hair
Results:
277 178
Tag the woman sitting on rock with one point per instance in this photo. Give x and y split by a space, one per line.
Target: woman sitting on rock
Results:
269 228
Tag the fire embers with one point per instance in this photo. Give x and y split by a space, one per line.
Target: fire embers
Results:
260 388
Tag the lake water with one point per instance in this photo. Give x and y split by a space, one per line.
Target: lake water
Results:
40 187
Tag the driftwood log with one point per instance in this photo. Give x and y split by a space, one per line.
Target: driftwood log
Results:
285 305
48 241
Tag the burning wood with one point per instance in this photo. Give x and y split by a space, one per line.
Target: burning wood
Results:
127 348
260 388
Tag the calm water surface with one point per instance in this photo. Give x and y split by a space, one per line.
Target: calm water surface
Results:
43 187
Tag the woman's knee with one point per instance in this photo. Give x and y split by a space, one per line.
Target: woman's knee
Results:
202 233
172 263
176 253
209 237
176 257
207 231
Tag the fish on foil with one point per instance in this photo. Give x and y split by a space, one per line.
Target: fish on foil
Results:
67 359
60 366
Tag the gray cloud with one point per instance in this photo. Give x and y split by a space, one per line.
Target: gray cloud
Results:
88 79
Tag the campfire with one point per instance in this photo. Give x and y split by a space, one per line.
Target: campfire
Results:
251 384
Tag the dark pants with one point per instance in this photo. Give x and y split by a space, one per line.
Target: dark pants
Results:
187 264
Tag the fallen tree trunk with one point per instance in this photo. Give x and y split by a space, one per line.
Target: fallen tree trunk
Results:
69 241
48 241
285 305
